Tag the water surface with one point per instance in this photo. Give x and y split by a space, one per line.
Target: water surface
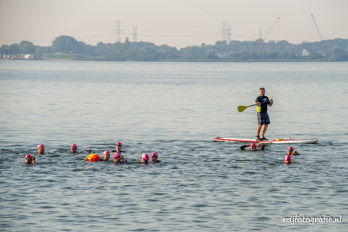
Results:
175 109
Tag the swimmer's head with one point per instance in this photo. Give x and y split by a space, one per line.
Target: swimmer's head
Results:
154 157
28 156
40 146
253 145
40 149
145 157
119 144
118 158
290 148
73 148
116 155
106 155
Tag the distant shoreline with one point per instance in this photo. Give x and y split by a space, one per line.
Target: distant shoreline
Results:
68 48
185 61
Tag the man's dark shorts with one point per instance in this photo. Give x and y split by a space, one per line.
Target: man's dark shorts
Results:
263 119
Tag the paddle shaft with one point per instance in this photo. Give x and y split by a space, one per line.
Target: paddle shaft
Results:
242 108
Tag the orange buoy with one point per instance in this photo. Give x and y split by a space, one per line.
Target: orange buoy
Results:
92 158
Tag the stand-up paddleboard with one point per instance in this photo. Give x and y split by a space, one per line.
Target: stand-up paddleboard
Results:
284 141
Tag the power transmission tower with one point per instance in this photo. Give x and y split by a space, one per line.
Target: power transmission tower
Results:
135 33
118 31
316 27
226 31
228 36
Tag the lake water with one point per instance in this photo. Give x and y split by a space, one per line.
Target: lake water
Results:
175 109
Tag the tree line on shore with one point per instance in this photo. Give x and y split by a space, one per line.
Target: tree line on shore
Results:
67 47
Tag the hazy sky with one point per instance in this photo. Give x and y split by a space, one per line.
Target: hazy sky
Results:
174 22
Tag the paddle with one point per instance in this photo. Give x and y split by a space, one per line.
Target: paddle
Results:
242 108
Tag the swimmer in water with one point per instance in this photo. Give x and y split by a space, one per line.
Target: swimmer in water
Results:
29 159
144 159
253 147
154 157
40 149
291 151
106 156
73 148
118 158
287 158
118 147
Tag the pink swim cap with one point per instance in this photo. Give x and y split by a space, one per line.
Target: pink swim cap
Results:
118 144
74 146
154 154
116 155
145 157
106 153
40 145
287 159
253 145
28 156
290 148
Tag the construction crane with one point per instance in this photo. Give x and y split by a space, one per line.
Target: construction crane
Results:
272 27
316 27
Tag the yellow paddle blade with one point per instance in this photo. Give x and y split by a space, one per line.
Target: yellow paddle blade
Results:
242 108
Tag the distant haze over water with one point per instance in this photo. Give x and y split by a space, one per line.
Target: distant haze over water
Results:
177 23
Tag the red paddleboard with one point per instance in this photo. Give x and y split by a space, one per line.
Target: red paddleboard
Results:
284 141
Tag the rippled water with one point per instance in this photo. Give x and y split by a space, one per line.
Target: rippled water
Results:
175 109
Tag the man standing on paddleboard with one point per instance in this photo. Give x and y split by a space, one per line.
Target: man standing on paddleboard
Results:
262 102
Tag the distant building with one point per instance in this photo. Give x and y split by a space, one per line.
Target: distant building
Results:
305 52
6 57
17 57
28 56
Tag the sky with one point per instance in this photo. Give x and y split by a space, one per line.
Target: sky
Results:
177 23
